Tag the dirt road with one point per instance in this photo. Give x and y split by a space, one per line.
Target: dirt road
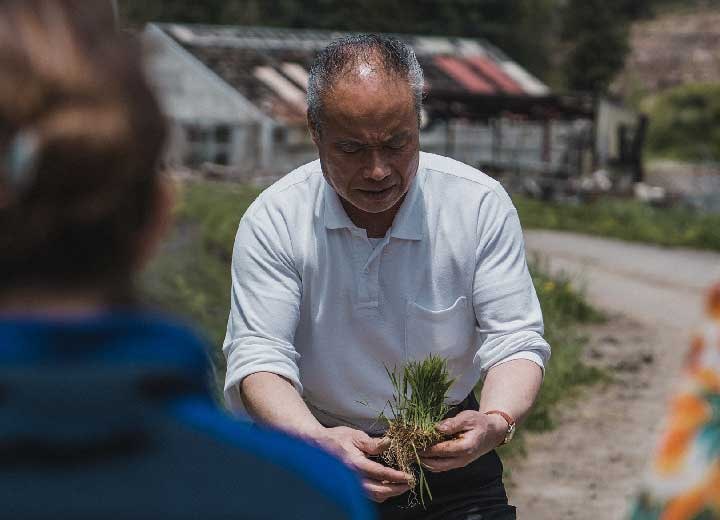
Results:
589 466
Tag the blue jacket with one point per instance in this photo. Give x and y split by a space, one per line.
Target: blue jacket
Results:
112 417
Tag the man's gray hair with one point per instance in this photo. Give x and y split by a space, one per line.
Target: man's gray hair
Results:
392 55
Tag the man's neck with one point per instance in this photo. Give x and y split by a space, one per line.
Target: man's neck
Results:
375 224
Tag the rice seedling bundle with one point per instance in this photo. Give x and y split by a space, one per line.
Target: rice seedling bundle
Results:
419 402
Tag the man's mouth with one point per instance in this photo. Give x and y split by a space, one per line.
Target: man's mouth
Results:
376 191
375 194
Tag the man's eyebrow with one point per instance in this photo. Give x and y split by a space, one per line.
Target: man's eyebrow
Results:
356 142
400 135
348 142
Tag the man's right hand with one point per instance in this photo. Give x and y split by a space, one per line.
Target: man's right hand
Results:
273 400
353 447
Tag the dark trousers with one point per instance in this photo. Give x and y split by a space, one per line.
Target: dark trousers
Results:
475 492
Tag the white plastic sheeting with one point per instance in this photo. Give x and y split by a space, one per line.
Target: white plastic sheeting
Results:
282 86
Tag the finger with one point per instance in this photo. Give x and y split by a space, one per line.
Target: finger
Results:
449 449
440 465
458 424
381 491
374 446
376 471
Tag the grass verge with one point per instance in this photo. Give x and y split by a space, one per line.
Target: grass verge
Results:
191 274
624 219
566 312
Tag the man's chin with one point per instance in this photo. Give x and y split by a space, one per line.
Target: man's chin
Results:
375 207
371 203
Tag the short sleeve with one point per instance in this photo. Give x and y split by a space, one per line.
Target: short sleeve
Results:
264 303
509 319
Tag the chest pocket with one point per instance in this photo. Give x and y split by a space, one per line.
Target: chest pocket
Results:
446 332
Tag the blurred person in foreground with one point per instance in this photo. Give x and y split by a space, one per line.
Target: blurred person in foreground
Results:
683 481
374 255
105 411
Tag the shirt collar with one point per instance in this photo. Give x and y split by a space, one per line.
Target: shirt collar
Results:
409 223
335 215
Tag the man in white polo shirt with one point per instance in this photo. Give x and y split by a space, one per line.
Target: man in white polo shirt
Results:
372 256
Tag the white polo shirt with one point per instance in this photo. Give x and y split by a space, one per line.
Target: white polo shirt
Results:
316 301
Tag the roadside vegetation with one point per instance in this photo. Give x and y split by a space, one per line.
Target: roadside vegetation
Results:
683 123
191 274
565 311
191 277
624 219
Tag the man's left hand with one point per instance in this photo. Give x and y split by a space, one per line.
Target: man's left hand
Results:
475 434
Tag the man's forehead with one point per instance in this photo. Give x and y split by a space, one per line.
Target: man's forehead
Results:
370 98
367 76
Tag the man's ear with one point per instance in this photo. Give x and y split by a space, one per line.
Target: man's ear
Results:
314 131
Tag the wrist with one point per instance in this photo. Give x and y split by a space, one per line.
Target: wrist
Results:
497 428
503 425
307 430
313 433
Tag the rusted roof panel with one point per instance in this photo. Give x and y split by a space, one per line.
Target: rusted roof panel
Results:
529 83
464 74
495 74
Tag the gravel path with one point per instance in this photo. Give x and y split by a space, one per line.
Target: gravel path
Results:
589 466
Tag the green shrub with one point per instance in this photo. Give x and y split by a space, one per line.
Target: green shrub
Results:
684 123
191 275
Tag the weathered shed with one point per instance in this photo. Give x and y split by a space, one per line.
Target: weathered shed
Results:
236 96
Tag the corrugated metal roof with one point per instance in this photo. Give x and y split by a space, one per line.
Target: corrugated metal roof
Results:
284 56
296 73
433 45
252 37
495 74
470 48
463 74
282 86
529 83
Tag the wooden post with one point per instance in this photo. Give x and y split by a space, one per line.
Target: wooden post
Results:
496 141
449 138
547 144
116 13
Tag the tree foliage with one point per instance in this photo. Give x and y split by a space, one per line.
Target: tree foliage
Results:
597 35
683 124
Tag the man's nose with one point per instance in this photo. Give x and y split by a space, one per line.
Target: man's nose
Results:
378 168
